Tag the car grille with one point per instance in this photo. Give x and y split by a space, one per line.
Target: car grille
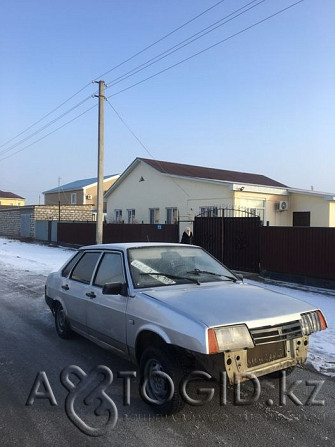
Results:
272 334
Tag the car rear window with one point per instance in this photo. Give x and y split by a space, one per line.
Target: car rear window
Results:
69 266
84 269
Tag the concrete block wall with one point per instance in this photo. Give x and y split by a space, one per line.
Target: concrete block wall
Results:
10 222
12 218
78 213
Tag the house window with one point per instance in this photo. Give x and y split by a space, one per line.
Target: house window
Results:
257 212
74 198
118 215
154 215
130 216
302 219
171 215
209 211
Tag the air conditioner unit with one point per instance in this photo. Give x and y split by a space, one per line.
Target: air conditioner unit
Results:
89 197
282 206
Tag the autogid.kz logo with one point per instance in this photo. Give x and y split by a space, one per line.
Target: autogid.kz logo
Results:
93 411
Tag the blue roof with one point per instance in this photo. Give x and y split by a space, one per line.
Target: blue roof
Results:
77 184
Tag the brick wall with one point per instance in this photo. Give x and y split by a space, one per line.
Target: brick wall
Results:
10 222
78 213
20 221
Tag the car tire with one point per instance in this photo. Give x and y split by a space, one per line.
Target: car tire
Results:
159 391
63 327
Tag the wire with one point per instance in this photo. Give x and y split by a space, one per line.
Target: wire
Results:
183 44
50 133
207 49
145 148
109 71
142 81
162 38
4 151
45 116
126 125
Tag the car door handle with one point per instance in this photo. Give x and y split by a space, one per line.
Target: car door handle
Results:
91 294
65 287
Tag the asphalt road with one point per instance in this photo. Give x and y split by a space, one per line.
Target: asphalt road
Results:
32 354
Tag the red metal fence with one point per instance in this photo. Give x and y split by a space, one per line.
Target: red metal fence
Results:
240 243
232 240
83 233
300 251
293 253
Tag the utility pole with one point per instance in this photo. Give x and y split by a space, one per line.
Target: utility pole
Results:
59 179
101 142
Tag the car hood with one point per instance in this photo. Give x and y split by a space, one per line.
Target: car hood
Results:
220 304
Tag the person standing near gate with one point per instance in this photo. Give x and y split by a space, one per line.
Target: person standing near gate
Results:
187 237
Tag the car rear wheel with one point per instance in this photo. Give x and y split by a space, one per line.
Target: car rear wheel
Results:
161 372
62 325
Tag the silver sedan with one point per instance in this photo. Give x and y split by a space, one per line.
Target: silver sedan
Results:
174 309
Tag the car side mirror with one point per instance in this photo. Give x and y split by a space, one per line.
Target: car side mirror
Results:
115 288
239 276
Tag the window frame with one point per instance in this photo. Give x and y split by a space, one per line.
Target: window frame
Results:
118 215
104 253
89 252
172 215
131 215
154 216
73 198
74 259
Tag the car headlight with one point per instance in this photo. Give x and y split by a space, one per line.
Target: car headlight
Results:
229 338
312 322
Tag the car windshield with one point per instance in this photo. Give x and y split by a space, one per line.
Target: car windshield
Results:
169 265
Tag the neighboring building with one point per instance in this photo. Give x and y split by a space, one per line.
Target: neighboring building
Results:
11 199
79 192
152 191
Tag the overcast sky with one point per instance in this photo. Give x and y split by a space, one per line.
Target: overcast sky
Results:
261 101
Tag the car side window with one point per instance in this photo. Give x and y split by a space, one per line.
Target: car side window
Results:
84 269
110 270
67 269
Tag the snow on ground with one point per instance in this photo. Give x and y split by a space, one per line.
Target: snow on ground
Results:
34 258
41 259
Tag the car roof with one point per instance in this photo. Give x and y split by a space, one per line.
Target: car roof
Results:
126 245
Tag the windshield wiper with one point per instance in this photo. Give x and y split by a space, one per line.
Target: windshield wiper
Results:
170 276
198 271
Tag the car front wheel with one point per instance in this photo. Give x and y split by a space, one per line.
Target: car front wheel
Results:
161 372
62 326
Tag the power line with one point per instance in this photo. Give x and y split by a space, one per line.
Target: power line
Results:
112 69
145 148
145 79
184 43
162 38
124 77
45 116
4 151
50 133
207 49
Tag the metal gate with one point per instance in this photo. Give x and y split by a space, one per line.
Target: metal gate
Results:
234 241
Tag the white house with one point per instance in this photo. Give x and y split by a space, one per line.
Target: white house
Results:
157 192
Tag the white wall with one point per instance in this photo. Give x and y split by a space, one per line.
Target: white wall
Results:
316 205
160 191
